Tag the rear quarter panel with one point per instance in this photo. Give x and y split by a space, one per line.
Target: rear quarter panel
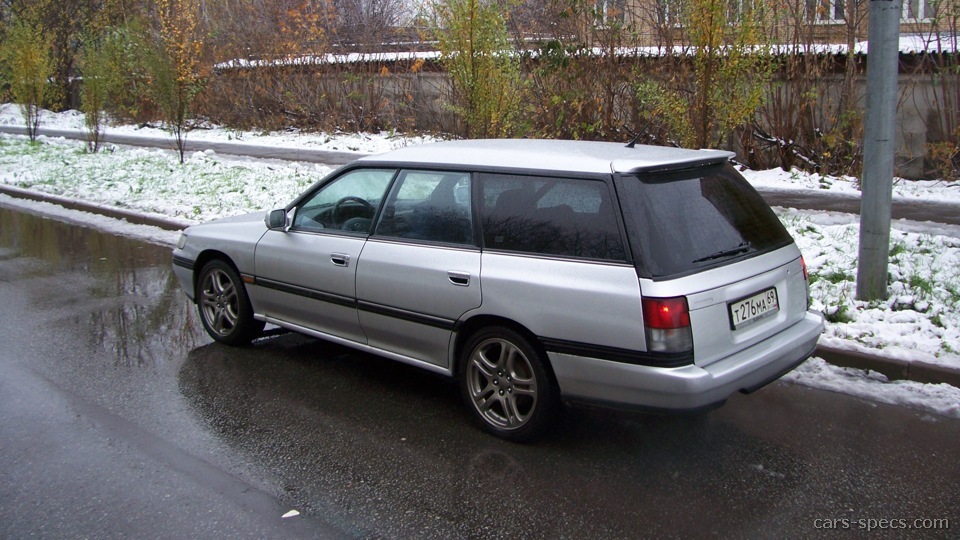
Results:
573 300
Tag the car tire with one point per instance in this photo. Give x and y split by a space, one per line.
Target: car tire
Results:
224 306
506 386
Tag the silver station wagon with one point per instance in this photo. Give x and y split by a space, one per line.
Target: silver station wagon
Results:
534 272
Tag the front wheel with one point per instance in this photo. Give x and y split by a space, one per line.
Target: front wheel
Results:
506 386
224 306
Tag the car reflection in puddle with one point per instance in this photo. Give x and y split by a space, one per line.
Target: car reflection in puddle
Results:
382 449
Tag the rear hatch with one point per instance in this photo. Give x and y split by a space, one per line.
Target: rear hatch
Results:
705 236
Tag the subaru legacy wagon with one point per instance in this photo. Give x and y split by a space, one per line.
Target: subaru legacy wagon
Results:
534 272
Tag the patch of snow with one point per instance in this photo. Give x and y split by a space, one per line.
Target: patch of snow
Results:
908 44
921 319
361 143
798 181
942 399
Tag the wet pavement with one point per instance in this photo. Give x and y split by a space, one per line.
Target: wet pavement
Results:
119 418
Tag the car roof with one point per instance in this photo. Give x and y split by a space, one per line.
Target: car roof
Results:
552 155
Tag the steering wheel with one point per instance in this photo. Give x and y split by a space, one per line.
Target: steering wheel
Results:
351 200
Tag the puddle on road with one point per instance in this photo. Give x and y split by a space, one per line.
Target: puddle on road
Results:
117 295
72 247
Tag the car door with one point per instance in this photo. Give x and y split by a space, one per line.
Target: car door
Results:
420 270
306 273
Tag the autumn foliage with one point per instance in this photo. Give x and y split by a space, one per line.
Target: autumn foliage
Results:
176 65
752 76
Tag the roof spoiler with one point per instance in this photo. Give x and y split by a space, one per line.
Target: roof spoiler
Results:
697 158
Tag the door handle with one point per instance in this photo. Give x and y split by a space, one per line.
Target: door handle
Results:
340 259
461 279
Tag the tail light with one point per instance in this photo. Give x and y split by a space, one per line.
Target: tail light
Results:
666 324
806 279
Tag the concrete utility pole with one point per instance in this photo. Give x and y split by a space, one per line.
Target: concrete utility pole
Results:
883 42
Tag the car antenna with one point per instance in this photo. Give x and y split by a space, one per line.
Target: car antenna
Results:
633 141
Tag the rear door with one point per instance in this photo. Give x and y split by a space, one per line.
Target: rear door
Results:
420 271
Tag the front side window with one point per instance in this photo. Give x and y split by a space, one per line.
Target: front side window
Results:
430 206
349 203
690 220
550 216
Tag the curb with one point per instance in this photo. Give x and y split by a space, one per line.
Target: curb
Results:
892 368
130 216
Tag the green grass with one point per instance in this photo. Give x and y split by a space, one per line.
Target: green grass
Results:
841 315
837 276
923 286
898 248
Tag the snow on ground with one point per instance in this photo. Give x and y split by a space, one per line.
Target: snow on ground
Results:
920 322
342 142
921 319
938 398
906 190
151 180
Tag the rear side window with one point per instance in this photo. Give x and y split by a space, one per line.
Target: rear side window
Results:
684 221
549 216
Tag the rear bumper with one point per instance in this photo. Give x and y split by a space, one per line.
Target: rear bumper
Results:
688 387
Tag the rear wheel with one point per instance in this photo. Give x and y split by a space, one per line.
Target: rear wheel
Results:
225 309
506 386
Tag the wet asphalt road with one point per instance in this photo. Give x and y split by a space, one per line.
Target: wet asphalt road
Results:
119 418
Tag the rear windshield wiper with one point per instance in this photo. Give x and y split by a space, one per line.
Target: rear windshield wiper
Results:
742 247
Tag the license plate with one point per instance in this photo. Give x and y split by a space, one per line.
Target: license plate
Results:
750 310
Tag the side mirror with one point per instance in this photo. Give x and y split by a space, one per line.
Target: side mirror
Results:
276 219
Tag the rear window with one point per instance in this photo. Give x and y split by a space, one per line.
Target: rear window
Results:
684 221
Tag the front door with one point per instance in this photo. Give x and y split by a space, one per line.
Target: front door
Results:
306 275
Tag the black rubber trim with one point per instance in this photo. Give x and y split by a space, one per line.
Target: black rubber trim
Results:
370 307
322 296
184 262
411 316
614 354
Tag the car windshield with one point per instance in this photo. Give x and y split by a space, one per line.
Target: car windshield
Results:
684 221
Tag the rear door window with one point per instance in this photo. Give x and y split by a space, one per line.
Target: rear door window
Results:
549 216
681 222
431 206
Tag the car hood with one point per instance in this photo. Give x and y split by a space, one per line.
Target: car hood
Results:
244 218
243 228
